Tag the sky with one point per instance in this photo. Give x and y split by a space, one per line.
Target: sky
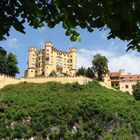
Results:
90 44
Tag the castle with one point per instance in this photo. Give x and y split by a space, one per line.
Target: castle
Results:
45 61
120 80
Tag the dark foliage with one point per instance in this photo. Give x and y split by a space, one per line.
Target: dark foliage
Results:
119 16
136 91
8 63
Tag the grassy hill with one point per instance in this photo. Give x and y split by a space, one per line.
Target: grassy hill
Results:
69 112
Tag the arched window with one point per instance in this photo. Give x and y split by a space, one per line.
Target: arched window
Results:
126 86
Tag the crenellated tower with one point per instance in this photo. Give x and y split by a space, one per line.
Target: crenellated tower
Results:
73 52
31 62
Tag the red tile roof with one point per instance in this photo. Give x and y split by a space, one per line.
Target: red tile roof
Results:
127 77
130 77
113 74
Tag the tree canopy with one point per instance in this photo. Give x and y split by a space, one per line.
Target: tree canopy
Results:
122 18
8 63
85 72
100 66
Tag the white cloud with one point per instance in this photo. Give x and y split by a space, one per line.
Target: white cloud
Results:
127 61
13 43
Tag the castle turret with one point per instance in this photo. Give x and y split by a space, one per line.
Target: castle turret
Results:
48 59
31 62
73 52
122 72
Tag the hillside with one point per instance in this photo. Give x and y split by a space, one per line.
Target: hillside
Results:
70 112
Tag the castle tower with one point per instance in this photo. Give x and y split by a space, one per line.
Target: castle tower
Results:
48 58
73 58
122 72
31 62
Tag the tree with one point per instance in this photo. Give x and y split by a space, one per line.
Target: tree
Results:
122 18
136 91
53 74
12 68
3 57
2 51
100 66
81 71
90 73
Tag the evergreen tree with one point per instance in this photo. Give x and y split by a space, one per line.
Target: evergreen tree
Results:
90 73
81 71
100 66
53 74
12 68
3 59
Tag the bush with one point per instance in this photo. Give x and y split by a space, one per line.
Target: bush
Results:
53 74
136 91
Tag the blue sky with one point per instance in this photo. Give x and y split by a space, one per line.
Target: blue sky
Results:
90 44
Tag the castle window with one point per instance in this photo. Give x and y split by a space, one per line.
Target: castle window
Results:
47 50
31 70
47 59
126 86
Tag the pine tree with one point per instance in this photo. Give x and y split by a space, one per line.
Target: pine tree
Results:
12 68
3 59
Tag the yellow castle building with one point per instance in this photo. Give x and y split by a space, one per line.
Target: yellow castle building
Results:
122 81
44 61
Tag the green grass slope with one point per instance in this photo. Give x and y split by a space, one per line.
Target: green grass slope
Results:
67 112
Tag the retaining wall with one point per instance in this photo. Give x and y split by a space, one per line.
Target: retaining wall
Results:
7 80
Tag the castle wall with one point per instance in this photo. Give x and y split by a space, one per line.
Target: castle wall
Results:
6 80
127 86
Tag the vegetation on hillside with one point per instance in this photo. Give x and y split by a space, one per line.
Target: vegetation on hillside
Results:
69 112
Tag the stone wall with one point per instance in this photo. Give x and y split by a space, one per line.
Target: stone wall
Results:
7 80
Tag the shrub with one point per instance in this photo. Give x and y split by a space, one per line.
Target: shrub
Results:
53 74
136 91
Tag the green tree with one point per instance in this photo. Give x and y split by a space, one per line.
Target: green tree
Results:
100 66
3 63
81 71
53 74
12 68
121 18
136 91
90 73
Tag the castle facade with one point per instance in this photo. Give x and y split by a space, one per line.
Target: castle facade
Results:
122 81
45 61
